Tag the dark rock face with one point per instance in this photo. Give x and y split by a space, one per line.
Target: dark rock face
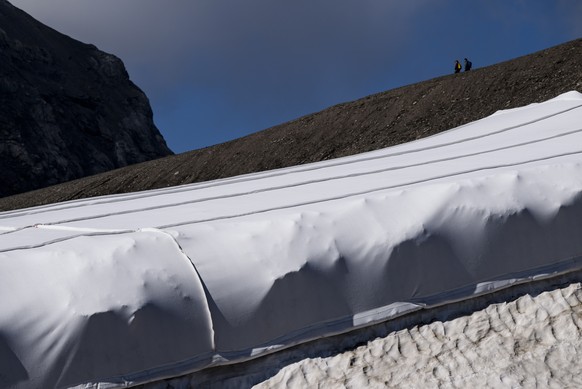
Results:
374 122
67 110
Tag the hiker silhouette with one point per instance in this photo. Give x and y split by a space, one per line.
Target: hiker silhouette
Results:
457 66
468 65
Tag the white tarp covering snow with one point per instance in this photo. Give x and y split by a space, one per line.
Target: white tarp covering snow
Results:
131 288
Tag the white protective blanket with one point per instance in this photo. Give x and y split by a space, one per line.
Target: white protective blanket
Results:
124 289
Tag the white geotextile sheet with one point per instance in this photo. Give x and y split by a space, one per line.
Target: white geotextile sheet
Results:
129 288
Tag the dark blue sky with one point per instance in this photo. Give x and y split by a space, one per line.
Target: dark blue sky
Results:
216 70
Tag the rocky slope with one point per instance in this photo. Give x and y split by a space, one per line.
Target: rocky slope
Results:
67 110
373 122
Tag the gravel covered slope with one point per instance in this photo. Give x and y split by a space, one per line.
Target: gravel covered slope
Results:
370 123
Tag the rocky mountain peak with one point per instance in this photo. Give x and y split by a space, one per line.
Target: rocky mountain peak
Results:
67 109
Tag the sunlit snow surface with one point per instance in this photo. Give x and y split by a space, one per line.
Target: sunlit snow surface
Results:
132 288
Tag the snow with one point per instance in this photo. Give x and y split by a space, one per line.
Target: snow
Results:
533 341
126 289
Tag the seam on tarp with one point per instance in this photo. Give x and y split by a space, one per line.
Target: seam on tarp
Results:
336 177
204 288
251 176
65 238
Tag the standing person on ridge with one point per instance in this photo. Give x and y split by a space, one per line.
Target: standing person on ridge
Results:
468 65
457 66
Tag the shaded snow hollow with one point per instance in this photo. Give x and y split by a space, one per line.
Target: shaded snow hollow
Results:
126 289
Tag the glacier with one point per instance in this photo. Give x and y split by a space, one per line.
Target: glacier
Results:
126 289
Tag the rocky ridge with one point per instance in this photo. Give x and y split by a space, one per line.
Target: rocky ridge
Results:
67 109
